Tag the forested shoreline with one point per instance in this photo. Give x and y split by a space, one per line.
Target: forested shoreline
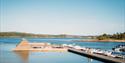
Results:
117 36
31 35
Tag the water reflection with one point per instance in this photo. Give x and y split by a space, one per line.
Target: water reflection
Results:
24 55
89 60
28 57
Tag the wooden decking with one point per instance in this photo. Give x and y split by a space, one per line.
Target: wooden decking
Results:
45 47
97 56
38 47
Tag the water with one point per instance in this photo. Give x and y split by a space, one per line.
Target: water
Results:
8 56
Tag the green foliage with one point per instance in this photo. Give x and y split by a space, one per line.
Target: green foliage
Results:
30 35
118 36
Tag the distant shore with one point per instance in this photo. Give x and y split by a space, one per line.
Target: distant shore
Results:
95 40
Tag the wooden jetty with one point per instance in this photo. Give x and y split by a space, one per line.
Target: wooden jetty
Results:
103 58
24 45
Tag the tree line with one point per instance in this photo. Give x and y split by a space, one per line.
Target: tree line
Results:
31 35
117 36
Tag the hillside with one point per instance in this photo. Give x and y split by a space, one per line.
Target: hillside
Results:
31 35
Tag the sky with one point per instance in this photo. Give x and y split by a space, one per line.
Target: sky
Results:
74 17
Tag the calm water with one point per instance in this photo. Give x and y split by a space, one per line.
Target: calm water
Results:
7 56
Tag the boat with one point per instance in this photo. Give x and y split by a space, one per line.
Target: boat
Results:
119 48
119 54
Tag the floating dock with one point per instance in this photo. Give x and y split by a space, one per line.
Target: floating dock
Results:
24 45
103 58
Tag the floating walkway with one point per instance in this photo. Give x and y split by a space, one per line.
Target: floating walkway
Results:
103 58
24 45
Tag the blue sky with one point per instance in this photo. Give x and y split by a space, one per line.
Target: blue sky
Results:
77 17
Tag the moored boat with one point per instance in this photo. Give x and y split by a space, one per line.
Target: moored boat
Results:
119 48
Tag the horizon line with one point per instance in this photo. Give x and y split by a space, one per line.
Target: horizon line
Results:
61 33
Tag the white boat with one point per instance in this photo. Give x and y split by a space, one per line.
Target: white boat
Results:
119 48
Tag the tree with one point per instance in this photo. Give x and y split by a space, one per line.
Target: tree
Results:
118 36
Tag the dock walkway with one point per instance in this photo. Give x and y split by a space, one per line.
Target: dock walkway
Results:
24 45
97 56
